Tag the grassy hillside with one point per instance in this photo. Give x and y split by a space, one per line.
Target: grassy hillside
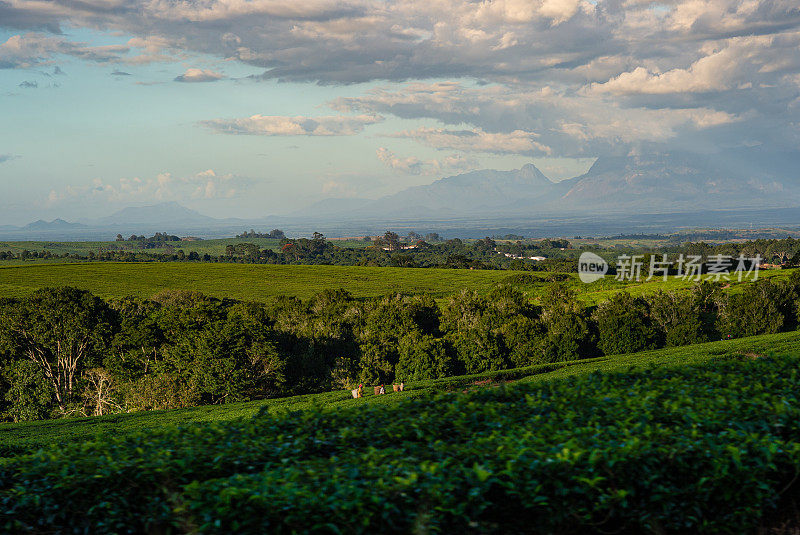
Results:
32 435
261 282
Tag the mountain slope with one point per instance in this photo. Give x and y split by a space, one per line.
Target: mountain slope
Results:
649 183
675 182
484 191
56 224
168 213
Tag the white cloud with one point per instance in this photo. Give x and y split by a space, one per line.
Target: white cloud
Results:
585 76
414 166
476 140
31 49
164 186
718 71
199 75
275 125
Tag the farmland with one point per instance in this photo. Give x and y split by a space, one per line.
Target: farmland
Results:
571 440
581 452
27 436
262 282
236 281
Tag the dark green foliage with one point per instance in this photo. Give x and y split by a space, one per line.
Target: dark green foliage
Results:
757 310
479 351
524 340
30 394
569 332
625 325
185 349
423 356
700 449
31 436
678 319
60 330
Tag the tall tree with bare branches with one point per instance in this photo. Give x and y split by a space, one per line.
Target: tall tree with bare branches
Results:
62 331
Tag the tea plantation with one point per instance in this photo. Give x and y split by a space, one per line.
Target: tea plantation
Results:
26 437
253 282
703 438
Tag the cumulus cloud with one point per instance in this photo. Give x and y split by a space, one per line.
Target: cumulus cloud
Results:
519 120
414 166
583 75
720 70
199 75
28 84
22 51
163 187
31 49
275 125
476 140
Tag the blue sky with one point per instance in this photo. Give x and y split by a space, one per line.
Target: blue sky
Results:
257 107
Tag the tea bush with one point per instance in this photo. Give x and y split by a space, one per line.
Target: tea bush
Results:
705 448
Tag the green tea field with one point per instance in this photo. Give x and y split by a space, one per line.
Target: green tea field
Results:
261 282
27 436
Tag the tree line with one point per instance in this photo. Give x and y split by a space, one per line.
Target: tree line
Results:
414 250
65 351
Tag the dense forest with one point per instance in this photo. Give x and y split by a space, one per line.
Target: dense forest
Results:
66 352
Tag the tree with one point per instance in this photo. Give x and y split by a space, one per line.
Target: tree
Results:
433 237
30 393
392 240
464 311
624 325
678 318
569 333
524 338
59 330
423 357
479 350
99 392
754 311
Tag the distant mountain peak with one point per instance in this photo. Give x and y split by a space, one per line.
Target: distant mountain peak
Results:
165 213
56 224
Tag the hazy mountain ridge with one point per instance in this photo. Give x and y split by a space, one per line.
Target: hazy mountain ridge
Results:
163 213
746 180
665 182
56 224
673 182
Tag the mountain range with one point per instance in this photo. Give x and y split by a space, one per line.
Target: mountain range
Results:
752 185
636 184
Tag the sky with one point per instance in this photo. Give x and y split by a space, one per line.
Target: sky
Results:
248 108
